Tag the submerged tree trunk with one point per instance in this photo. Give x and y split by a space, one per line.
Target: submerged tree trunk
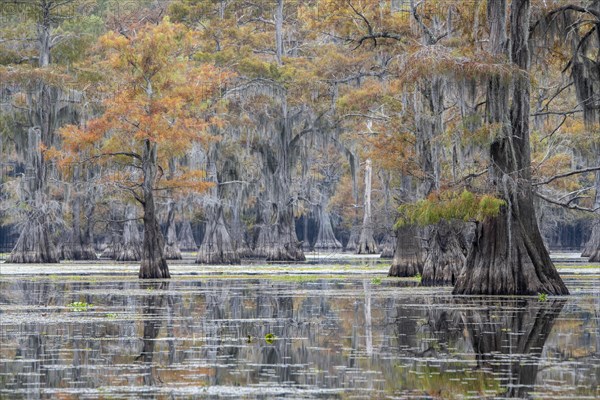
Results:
508 256
217 245
408 258
45 113
154 264
186 236
325 238
130 246
34 244
366 242
352 244
446 255
387 246
172 251
277 240
79 247
592 248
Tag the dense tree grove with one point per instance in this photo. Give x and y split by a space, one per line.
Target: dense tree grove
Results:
459 139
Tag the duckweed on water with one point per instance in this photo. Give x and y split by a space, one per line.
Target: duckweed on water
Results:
270 338
79 306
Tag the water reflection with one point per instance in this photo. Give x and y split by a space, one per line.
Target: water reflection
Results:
153 312
510 344
190 339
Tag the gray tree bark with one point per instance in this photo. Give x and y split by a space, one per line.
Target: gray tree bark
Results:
79 245
154 264
172 251
508 256
44 117
446 254
366 242
325 237
130 246
34 244
218 246
186 236
592 248
277 240
279 32
408 257
388 246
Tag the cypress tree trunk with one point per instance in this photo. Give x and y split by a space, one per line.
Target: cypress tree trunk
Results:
172 251
130 246
446 255
44 116
79 247
592 248
113 240
34 244
408 258
277 240
217 245
154 264
366 242
186 236
508 256
387 246
352 244
325 238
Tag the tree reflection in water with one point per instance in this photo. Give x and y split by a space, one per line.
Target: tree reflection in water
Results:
153 311
356 337
510 344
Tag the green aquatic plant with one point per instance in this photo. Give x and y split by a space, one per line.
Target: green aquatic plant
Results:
542 297
418 277
111 316
376 281
269 338
79 306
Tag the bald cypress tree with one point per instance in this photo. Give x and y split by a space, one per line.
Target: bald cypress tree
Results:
508 256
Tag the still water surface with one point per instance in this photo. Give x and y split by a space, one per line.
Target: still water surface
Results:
291 337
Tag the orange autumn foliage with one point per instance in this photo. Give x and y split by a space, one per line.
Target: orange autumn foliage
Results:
154 92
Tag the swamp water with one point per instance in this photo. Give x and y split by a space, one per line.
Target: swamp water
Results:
291 336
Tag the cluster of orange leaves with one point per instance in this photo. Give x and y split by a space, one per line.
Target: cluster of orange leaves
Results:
155 92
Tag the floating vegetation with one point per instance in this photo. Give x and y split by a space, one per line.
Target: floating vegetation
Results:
79 306
270 338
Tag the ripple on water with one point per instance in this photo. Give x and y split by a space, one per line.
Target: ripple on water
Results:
208 337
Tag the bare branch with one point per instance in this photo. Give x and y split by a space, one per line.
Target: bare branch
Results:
566 205
566 174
